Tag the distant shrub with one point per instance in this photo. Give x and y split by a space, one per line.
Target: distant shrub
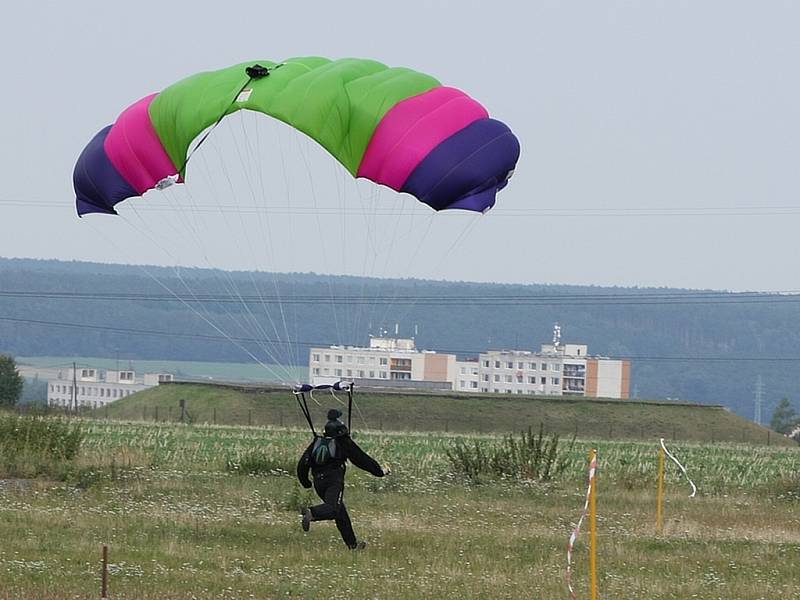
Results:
529 457
54 438
260 462
35 445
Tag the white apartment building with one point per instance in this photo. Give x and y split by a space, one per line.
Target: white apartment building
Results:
387 361
95 388
557 370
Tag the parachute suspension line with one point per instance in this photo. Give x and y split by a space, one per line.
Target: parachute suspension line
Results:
251 250
291 351
232 290
322 240
437 268
182 301
231 286
253 73
301 400
286 184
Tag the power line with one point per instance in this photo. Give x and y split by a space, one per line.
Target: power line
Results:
532 299
321 344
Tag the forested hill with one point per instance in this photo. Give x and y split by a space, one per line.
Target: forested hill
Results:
708 349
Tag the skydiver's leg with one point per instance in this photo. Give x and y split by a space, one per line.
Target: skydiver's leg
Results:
325 511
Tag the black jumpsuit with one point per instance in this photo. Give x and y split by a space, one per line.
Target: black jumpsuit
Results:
329 483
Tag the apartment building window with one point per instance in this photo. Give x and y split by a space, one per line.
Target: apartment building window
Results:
315 357
349 372
496 391
486 364
474 385
497 378
519 391
556 367
349 358
508 391
327 358
510 364
372 360
508 378
520 365
519 378
555 380
532 366
543 380
462 384
474 371
531 379
339 358
463 370
372 374
497 364
383 375
126 376
361 374
338 372
384 361
316 370
485 377
360 360
484 389
544 366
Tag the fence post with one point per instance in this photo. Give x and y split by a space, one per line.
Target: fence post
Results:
660 496
182 404
768 437
104 578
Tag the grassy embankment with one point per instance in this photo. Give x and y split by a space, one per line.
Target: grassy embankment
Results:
181 524
591 419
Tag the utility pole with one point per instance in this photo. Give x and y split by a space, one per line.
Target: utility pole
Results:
759 400
75 386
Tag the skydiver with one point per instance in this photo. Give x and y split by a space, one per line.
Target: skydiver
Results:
325 457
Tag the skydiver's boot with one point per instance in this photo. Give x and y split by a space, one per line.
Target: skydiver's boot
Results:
307 518
360 545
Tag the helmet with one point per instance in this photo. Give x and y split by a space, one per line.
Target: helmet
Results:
334 427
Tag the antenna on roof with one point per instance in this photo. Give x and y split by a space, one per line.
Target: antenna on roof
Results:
556 336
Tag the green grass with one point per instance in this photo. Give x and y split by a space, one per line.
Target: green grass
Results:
588 418
180 524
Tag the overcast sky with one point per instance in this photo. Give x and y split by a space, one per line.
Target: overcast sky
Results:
686 111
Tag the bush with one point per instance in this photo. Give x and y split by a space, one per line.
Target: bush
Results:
259 462
531 457
37 445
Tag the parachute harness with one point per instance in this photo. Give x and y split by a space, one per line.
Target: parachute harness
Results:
300 392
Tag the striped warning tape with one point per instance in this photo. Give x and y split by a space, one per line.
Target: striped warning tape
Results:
575 532
681 467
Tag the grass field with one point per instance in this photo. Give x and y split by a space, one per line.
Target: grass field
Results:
181 524
607 420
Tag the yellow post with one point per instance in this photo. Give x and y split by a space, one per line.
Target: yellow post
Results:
593 528
660 496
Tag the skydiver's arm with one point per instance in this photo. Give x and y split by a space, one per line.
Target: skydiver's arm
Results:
303 466
360 458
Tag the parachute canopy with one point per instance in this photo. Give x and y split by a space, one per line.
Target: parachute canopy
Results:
394 126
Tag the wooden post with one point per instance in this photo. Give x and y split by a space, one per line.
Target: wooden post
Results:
156 417
593 529
104 579
660 496
182 404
